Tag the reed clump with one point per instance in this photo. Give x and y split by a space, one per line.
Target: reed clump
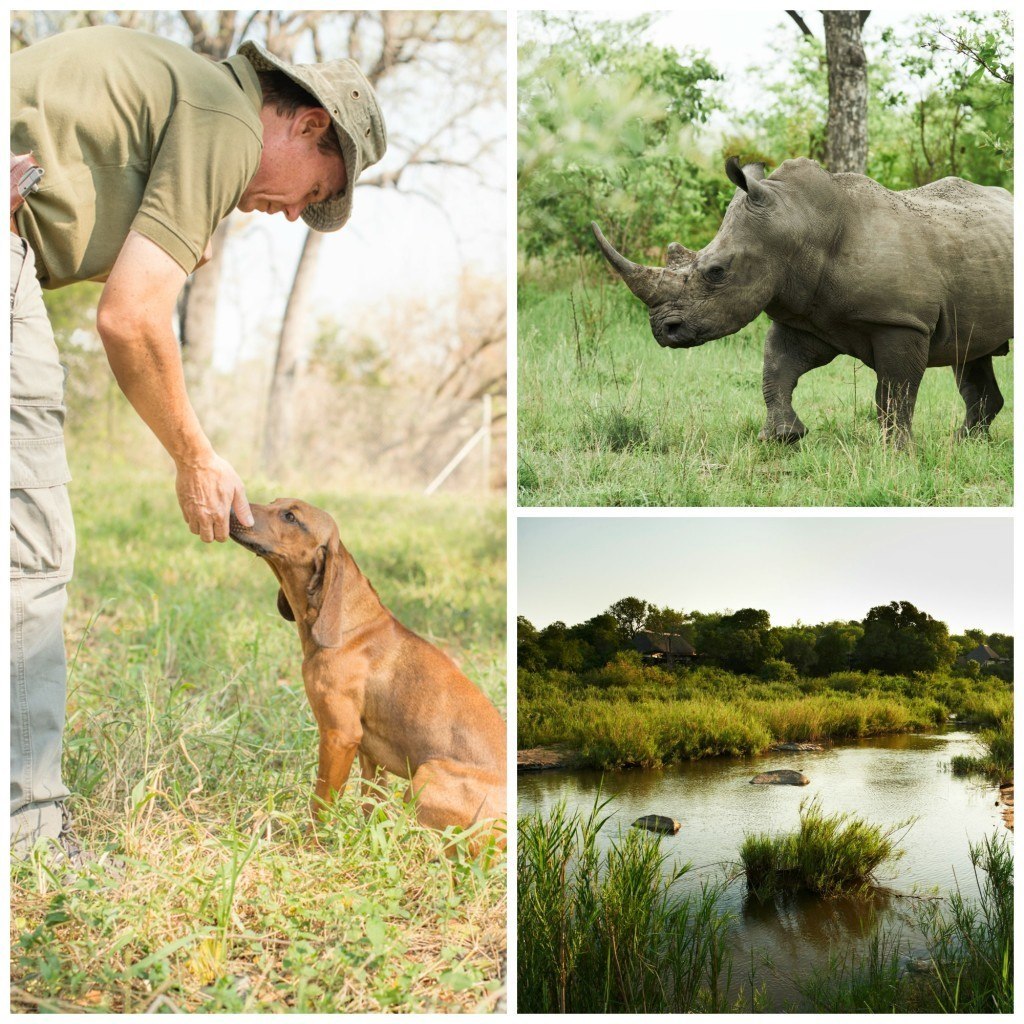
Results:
829 855
996 759
599 931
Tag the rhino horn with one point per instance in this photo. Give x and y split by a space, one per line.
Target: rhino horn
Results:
642 281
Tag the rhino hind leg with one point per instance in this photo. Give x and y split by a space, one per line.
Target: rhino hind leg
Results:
788 355
900 358
976 381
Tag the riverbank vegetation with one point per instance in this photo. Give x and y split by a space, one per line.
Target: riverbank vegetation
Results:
996 759
599 931
828 855
968 966
745 685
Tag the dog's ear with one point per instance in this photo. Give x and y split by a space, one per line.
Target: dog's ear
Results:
283 606
324 593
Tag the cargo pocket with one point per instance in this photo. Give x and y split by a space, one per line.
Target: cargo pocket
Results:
42 527
42 532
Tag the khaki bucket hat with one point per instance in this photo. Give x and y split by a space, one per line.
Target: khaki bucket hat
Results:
344 92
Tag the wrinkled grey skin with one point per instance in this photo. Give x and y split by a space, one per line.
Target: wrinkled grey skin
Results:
841 265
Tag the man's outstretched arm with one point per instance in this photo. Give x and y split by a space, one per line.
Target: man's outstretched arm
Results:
134 323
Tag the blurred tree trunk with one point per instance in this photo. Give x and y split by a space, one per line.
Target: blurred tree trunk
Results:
197 323
846 148
215 37
292 346
847 91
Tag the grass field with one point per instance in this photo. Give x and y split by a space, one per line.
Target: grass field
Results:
191 755
608 418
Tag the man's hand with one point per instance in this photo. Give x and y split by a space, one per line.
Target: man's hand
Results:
208 494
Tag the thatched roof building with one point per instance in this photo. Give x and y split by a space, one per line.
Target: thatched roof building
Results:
665 648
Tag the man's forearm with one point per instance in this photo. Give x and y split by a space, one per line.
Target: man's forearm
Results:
146 363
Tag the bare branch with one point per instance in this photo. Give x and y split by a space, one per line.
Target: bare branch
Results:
795 15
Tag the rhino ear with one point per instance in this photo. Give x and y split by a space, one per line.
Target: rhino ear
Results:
747 178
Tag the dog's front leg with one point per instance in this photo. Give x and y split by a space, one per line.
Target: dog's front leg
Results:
338 749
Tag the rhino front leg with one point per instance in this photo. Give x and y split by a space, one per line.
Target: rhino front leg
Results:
901 357
788 355
976 381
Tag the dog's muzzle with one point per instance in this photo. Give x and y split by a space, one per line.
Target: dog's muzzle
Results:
243 535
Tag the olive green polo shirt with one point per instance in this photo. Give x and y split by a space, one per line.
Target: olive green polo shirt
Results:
135 133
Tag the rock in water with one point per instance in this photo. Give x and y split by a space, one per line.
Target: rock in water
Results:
801 747
780 777
657 823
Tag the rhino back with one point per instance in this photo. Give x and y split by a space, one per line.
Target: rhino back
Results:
937 259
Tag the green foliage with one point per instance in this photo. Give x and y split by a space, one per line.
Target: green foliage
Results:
901 639
604 123
600 931
829 855
632 714
940 101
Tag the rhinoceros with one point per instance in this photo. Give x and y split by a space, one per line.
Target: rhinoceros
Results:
842 265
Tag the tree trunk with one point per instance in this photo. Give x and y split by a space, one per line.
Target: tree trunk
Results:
291 353
847 148
198 323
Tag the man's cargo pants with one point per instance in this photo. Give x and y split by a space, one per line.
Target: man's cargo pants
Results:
42 555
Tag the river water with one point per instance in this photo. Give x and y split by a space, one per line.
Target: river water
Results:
884 779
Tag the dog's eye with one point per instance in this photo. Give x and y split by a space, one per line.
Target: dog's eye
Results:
289 517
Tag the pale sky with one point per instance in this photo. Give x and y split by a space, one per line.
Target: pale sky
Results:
814 569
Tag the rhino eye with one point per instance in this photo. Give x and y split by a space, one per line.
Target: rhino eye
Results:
715 274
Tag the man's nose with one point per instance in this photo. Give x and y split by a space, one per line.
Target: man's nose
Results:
293 211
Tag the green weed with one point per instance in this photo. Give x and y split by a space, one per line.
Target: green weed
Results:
829 855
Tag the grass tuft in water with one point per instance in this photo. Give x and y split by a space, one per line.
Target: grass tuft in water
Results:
968 961
599 931
830 855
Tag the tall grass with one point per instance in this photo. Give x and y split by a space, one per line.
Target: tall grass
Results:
968 966
627 714
996 759
606 417
191 754
601 933
829 855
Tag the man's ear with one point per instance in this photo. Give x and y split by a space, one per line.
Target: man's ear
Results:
324 593
284 607
313 120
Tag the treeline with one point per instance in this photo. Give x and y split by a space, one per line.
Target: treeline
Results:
896 638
